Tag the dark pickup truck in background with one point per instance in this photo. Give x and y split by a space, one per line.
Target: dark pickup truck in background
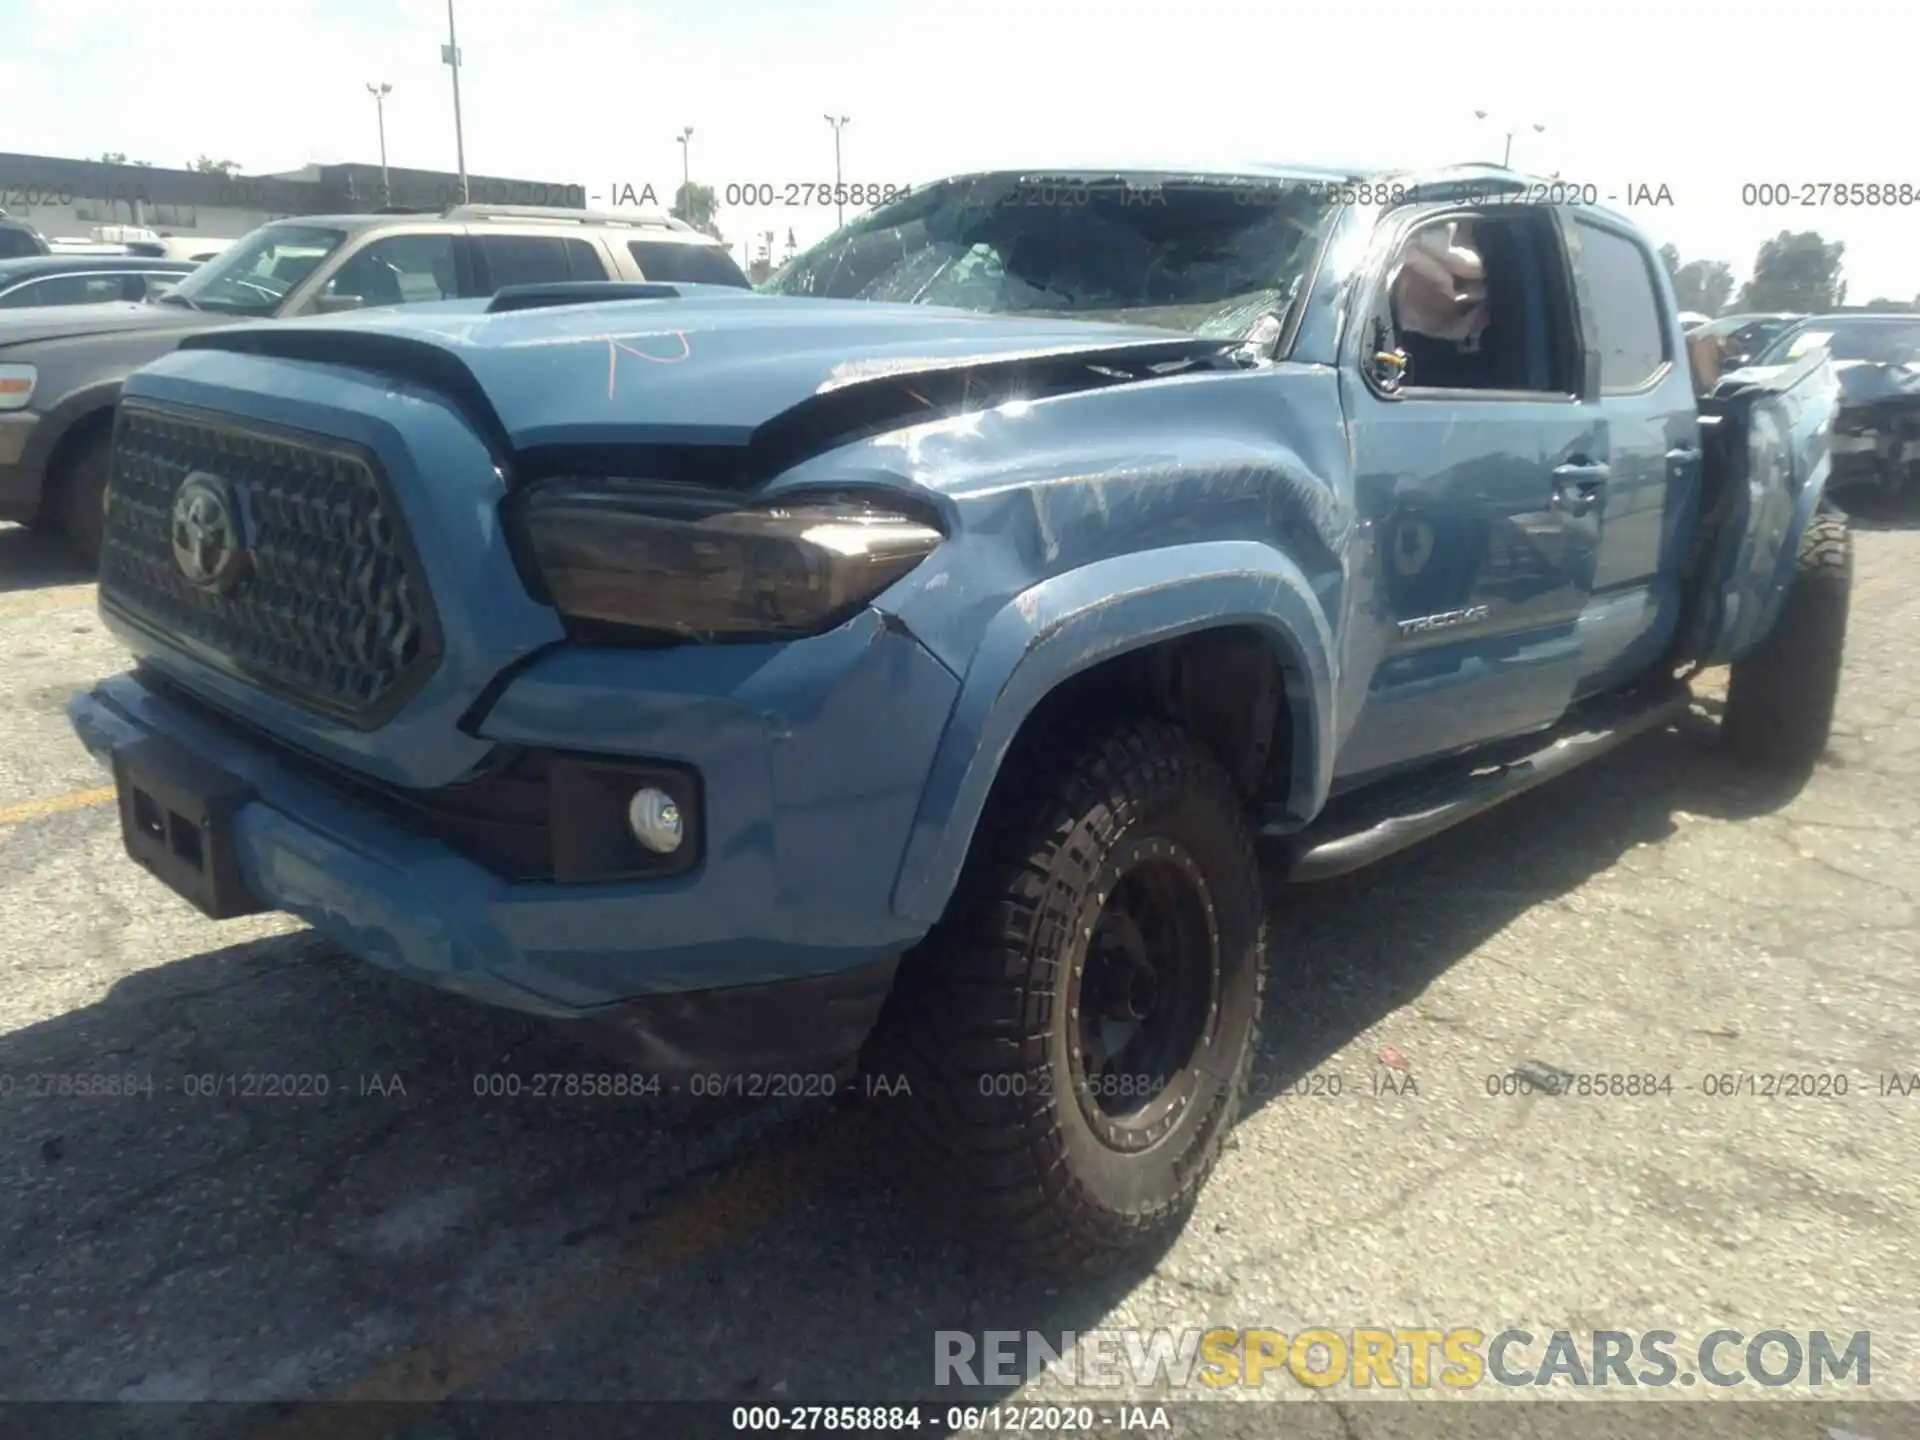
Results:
1876 433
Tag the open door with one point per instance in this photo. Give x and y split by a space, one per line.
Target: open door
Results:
1767 438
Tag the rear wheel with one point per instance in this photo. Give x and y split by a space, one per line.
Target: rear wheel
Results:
1076 1034
80 494
1780 697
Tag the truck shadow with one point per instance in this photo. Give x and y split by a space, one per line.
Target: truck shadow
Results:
31 560
1422 910
414 1230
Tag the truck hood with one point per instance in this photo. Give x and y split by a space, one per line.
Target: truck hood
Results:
66 322
712 366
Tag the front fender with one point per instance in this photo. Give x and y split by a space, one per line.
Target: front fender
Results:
57 422
1075 620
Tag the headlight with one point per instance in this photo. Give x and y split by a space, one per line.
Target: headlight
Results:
692 563
16 386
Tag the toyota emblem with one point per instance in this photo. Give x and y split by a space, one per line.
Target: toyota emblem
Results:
206 532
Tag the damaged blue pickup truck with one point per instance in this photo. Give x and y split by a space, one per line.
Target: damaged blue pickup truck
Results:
908 665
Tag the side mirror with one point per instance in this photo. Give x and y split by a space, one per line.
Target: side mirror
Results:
1387 369
338 304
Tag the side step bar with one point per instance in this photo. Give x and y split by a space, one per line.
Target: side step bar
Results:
1374 822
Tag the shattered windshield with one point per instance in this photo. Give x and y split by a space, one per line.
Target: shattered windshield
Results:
1205 256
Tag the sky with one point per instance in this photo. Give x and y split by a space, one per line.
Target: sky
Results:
1700 97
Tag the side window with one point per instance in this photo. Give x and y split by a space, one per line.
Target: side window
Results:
694 264
1622 315
522 260
1474 302
154 284
400 270
67 290
584 262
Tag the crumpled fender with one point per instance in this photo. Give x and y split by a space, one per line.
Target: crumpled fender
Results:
1778 458
1077 619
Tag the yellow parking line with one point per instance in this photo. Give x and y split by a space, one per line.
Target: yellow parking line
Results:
54 804
742 1199
54 597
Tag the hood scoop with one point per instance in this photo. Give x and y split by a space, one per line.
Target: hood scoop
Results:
550 293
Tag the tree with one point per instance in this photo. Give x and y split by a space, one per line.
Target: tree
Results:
1704 285
1796 270
1885 306
695 204
119 157
207 165
1670 257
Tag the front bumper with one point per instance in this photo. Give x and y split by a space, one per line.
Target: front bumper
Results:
20 483
673 973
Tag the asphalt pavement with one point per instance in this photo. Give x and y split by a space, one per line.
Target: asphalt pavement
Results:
238 1165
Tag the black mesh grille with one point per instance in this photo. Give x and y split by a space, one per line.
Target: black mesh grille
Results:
324 605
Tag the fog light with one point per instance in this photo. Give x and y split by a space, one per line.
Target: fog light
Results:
654 819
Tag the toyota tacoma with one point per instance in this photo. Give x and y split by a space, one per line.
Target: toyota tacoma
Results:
904 665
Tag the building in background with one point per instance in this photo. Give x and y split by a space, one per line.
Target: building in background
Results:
71 198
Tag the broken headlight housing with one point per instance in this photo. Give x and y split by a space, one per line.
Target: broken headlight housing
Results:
626 560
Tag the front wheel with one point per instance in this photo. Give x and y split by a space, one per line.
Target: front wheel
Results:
79 497
1780 697
1076 1034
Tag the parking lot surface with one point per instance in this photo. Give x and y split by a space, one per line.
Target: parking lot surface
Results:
365 1222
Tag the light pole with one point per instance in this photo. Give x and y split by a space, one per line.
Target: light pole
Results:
839 208
1506 156
380 93
686 163
450 55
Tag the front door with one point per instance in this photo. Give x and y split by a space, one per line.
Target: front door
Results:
1479 475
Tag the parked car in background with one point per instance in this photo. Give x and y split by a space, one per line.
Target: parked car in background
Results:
1876 434
1741 337
76 245
1692 319
197 248
69 365
18 239
42 280
898 666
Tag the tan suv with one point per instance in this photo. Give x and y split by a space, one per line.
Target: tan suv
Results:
66 365
323 264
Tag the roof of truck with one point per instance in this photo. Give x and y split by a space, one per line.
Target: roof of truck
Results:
1226 169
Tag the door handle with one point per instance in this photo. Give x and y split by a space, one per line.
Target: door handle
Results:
1577 485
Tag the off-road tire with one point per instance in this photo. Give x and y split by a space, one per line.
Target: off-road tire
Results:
80 494
1780 696
995 1140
